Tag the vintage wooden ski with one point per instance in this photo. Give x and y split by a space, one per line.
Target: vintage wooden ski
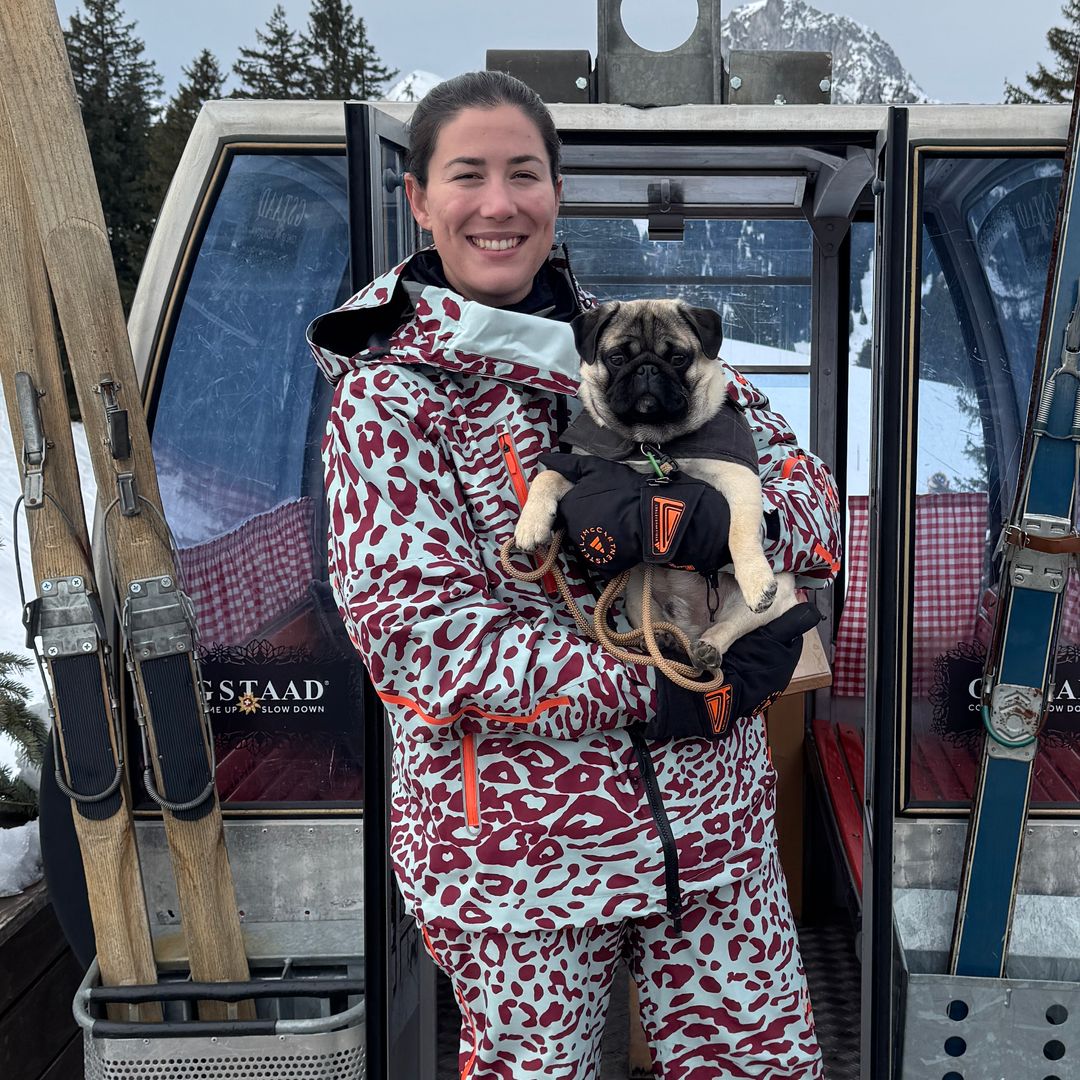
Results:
157 628
67 611
1040 544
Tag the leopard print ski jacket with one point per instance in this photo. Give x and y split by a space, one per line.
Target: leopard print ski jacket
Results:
517 803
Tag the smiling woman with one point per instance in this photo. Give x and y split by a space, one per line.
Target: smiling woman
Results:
541 826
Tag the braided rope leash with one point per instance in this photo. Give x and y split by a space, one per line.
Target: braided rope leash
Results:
598 630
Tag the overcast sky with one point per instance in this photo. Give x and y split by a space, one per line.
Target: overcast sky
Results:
957 50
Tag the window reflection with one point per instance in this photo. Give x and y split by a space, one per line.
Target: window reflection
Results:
757 274
236 437
986 226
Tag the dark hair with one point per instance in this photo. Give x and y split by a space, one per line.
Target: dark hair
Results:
474 90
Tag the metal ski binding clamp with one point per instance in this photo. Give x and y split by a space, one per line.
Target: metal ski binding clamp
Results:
157 619
1032 567
65 616
115 417
33 455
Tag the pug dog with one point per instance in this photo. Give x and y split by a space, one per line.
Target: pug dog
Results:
651 380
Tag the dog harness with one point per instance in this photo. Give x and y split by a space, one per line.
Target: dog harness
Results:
620 517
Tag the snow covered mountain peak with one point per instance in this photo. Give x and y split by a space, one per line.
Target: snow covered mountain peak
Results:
413 87
865 68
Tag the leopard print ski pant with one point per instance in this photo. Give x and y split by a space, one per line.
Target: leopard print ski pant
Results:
725 1001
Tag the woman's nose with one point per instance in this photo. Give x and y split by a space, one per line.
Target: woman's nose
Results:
498 201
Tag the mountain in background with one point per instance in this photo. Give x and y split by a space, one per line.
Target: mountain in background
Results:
412 87
865 68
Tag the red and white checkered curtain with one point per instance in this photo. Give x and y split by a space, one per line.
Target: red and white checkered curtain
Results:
950 603
245 579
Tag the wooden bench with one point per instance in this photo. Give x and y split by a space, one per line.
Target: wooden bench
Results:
39 975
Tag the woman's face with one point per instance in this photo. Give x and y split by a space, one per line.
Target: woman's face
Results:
489 203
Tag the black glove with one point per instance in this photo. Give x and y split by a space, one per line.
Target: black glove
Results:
757 668
617 518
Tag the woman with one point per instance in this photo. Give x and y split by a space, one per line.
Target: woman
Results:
536 836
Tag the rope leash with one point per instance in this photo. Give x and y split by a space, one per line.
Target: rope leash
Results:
598 630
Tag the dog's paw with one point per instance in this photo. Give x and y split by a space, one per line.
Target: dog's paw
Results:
765 600
705 657
533 531
758 587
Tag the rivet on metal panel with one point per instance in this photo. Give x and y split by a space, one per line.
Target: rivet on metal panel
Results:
581 82
736 82
825 86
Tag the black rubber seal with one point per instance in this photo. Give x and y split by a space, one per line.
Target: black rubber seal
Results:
177 721
83 717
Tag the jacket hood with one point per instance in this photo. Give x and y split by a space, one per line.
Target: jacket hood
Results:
401 321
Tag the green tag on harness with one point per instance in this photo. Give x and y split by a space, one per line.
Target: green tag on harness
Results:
663 464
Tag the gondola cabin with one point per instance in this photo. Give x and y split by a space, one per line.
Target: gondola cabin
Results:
880 272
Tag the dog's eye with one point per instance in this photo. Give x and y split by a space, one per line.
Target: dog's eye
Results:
679 359
616 359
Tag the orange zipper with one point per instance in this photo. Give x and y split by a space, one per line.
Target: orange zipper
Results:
521 489
470 781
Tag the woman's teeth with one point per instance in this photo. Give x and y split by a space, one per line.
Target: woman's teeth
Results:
495 245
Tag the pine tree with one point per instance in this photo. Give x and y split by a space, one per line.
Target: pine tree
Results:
117 89
342 62
279 68
1053 86
205 81
28 733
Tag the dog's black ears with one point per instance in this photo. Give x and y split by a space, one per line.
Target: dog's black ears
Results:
707 325
588 327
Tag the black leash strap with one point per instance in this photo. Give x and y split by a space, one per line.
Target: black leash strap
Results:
663 827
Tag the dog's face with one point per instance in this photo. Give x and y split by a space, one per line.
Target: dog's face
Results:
648 367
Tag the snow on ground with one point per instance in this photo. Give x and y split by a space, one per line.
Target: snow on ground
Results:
12 637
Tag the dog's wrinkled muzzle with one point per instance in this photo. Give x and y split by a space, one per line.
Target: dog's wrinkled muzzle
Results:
650 393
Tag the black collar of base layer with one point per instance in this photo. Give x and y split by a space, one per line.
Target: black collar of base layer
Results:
726 437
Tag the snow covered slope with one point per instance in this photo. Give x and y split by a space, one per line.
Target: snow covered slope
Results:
865 68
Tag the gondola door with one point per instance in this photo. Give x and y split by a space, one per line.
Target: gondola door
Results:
400 980
890 570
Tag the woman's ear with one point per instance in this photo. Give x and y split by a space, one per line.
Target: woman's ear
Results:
417 196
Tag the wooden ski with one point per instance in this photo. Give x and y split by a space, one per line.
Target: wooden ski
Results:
68 611
1040 545
157 628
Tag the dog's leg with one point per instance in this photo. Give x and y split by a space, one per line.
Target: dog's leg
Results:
537 520
742 489
734 619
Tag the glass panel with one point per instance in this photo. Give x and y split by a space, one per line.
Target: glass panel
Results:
236 437
986 226
757 274
396 218
849 660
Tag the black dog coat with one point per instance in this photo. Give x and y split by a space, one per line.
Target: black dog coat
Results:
618 517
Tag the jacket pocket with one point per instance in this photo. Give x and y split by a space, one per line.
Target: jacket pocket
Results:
470 780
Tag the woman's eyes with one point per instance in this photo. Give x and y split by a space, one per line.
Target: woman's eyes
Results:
479 176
